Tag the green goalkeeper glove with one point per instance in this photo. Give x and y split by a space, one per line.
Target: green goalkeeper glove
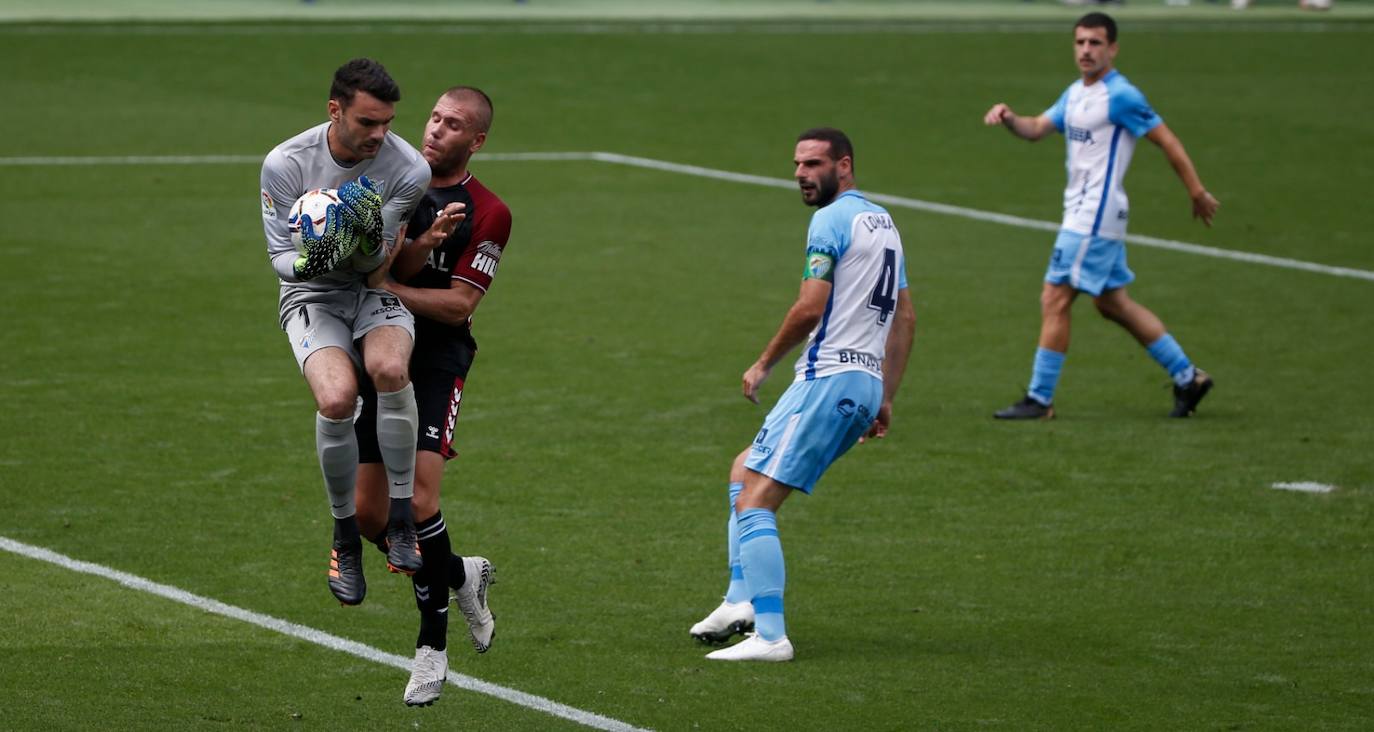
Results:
324 252
362 210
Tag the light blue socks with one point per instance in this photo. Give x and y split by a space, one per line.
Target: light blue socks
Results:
1167 353
737 592
760 554
1045 375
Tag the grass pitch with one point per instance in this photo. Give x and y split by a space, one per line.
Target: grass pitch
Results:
1110 569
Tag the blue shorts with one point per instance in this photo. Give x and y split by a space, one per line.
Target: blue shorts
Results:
812 425
1088 263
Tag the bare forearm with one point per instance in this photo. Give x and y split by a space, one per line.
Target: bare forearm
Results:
898 350
1205 205
793 331
1173 150
410 260
1026 128
444 306
1183 167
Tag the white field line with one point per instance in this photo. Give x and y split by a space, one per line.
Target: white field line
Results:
759 180
997 218
1305 486
45 161
311 635
133 25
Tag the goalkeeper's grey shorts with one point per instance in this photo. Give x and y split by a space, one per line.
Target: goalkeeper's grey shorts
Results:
315 319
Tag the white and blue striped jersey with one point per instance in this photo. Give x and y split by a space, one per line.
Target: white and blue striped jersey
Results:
852 243
1100 123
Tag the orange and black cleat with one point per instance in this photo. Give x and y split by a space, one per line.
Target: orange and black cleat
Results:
346 572
403 549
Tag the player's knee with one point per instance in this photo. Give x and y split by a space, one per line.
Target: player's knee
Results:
1113 307
1054 301
1108 310
388 374
337 403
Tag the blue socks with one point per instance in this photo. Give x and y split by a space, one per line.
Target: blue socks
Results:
1167 353
760 555
737 592
1045 375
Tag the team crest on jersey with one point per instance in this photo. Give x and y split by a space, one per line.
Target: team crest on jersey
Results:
269 208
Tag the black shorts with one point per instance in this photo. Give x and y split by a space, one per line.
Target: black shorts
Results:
438 368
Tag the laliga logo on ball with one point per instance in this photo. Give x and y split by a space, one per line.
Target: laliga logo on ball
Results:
314 204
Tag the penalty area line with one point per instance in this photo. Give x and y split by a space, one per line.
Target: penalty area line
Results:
312 635
914 204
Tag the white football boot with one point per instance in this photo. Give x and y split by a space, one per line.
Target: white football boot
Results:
725 622
427 675
755 648
472 601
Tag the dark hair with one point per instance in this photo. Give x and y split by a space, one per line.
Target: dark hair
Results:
363 74
839 142
485 114
1099 20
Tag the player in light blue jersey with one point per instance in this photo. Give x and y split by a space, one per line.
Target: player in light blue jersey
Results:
854 315
1101 116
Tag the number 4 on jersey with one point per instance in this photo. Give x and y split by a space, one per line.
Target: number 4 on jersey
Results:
883 298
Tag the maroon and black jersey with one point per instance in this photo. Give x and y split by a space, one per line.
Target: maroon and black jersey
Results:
443 353
470 254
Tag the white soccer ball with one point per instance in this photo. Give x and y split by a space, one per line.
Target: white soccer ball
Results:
314 205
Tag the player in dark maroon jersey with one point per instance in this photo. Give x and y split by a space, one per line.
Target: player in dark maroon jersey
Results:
440 276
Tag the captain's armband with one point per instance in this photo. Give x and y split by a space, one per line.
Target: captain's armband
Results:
819 266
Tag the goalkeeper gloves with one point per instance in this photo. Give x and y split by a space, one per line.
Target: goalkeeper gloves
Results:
324 252
362 210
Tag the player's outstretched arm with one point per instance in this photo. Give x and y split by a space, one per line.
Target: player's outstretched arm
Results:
894 361
1026 128
1204 204
804 314
452 305
417 250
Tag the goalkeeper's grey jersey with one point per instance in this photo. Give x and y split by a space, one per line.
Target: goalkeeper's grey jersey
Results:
303 163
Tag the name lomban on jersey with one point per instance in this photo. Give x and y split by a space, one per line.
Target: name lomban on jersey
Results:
869 270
